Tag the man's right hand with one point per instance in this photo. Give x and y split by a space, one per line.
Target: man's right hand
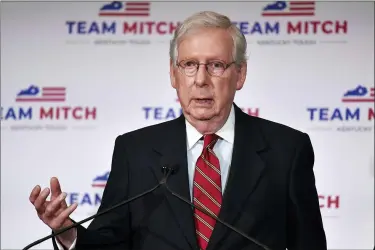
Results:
54 213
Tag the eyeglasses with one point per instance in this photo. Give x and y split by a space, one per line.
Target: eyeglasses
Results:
214 68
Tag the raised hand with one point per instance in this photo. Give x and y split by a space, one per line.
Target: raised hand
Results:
55 212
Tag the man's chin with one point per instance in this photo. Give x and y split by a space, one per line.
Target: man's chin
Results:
202 114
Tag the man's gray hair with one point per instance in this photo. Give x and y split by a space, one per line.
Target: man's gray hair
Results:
210 19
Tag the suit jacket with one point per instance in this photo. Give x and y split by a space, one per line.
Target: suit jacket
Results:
270 193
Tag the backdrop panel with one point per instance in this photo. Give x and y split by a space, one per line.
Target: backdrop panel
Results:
313 72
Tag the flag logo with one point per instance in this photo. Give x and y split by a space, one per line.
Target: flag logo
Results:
292 8
44 94
128 9
100 180
359 94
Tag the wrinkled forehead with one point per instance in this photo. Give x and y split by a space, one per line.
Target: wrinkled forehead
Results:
206 44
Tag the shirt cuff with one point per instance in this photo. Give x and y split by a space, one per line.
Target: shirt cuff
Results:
62 248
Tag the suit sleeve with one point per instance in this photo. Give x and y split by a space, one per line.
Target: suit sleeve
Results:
305 226
110 231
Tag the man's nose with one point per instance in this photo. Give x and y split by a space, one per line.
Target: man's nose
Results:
201 75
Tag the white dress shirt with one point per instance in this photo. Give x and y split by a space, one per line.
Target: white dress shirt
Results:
223 150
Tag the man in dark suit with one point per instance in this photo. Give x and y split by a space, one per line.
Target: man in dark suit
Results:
254 174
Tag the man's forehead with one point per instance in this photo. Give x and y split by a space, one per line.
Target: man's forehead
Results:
210 44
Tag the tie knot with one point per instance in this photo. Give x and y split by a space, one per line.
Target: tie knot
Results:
210 140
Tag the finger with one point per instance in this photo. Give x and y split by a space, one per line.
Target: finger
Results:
63 206
34 193
54 206
55 188
39 203
63 216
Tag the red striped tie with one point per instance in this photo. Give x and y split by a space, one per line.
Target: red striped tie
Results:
207 190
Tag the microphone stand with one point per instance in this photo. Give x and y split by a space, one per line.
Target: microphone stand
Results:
166 171
217 219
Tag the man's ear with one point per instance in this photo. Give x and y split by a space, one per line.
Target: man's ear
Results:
242 71
172 73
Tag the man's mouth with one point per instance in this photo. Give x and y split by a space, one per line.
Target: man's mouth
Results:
204 100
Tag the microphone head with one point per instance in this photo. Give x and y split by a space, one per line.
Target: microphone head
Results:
169 166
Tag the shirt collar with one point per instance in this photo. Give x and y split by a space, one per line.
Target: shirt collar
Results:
226 132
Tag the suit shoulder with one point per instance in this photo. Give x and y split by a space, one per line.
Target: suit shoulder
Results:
275 131
148 132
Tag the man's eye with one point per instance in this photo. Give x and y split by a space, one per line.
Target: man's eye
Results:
190 64
217 65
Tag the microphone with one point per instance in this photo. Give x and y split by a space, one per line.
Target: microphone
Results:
167 171
172 170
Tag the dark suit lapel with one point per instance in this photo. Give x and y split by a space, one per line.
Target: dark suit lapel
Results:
171 146
245 172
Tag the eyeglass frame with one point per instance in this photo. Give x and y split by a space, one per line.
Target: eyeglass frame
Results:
227 65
